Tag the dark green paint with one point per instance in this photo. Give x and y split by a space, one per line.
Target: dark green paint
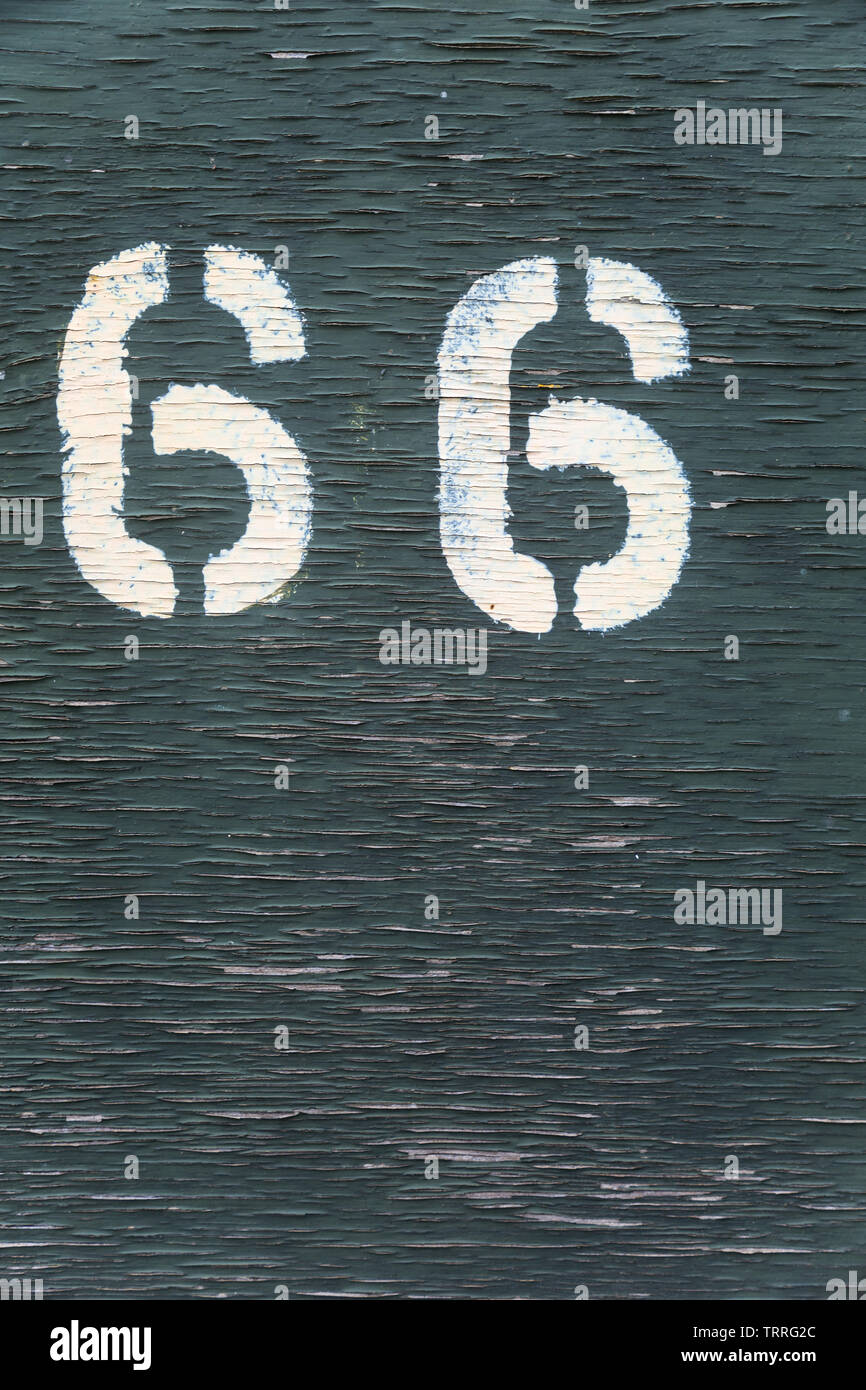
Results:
305 908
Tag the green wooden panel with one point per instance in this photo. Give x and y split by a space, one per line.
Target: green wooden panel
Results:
305 908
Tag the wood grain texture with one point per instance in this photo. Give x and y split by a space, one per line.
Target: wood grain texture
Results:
305 907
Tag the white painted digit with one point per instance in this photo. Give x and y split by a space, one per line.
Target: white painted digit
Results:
94 408
480 336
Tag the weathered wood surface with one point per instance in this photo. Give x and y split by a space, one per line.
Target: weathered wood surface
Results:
305 908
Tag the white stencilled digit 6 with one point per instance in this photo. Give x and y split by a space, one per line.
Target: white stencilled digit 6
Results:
94 410
480 336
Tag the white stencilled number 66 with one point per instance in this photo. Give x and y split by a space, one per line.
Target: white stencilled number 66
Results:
94 409
474 439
